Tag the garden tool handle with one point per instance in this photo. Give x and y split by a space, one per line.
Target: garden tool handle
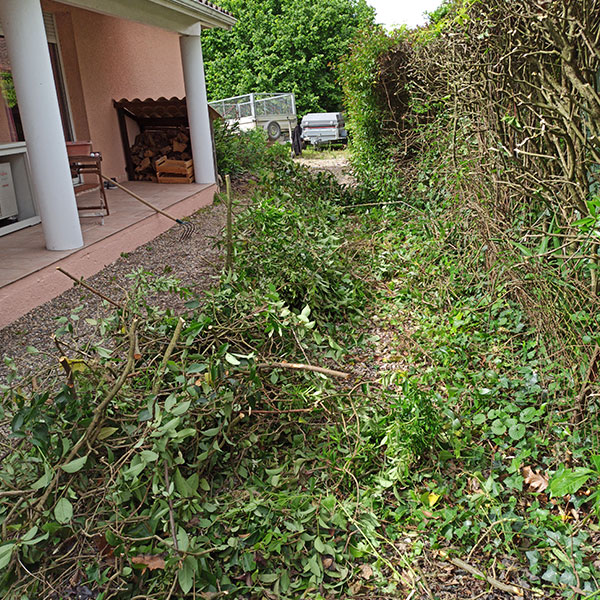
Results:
140 199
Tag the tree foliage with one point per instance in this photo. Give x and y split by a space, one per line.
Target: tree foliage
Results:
285 46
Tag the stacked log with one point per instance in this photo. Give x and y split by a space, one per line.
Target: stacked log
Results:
151 144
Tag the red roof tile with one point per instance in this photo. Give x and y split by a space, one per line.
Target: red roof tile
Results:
215 7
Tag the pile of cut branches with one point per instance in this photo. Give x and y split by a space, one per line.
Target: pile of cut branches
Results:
206 453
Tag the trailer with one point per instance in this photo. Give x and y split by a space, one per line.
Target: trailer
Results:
275 113
323 128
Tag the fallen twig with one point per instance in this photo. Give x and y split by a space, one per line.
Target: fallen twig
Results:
279 412
64 363
170 502
461 564
302 367
88 287
211 264
346 206
8 493
165 360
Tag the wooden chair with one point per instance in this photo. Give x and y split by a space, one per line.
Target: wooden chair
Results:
83 161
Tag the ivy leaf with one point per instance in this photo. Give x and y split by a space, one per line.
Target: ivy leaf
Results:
528 414
550 575
498 427
63 511
517 431
479 419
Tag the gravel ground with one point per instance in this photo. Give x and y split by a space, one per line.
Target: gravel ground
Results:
189 261
338 166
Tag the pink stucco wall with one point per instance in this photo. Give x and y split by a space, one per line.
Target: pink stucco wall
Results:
115 59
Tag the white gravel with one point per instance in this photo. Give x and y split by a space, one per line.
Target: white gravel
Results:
339 166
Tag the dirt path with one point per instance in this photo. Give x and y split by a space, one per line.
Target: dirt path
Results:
338 165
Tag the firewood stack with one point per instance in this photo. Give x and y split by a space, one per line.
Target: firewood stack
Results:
150 145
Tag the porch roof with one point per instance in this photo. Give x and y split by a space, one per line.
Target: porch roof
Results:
181 16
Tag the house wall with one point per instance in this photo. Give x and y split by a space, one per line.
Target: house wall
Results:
106 58
4 125
70 64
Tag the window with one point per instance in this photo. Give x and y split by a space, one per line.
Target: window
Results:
11 128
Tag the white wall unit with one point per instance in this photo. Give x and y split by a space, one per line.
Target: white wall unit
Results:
8 198
16 156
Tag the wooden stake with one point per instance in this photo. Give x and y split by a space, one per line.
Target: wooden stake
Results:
229 233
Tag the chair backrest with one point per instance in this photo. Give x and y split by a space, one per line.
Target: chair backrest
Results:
79 148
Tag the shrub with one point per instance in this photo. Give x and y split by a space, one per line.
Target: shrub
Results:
239 152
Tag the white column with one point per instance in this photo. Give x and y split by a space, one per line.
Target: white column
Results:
197 108
23 26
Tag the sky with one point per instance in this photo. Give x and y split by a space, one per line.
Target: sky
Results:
402 12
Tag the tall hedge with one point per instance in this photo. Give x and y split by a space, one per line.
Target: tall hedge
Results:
496 105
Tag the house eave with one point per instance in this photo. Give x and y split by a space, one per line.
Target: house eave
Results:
181 16
212 16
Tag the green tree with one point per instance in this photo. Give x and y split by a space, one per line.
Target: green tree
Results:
284 46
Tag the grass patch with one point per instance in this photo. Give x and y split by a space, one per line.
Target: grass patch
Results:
324 153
